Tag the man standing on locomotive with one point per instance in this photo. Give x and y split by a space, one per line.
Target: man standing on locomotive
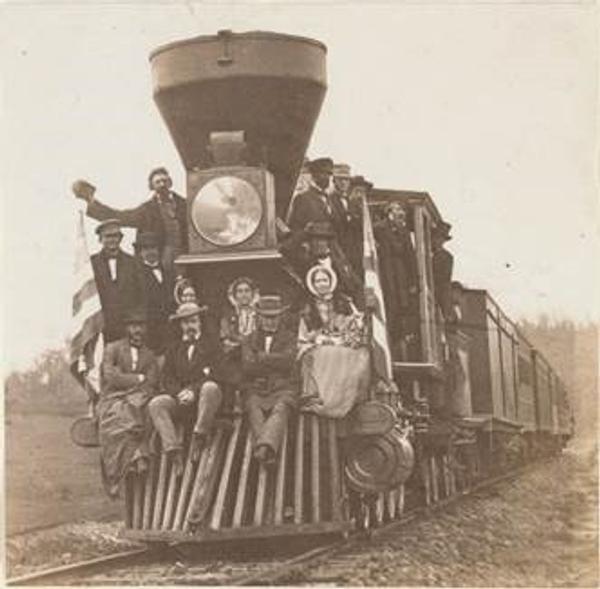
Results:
316 203
130 377
164 213
442 264
158 285
191 394
118 280
271 382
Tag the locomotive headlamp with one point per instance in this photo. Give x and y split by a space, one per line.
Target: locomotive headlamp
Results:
226 211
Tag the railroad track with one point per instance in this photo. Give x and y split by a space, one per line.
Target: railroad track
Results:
260 564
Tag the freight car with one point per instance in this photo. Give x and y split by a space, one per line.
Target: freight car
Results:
241 109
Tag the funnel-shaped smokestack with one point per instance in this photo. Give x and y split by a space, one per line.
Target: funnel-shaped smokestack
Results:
269 86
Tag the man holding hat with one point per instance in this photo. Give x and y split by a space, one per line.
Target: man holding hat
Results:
271 382
315 203
129 380
191 395
118 279
158 286
164 213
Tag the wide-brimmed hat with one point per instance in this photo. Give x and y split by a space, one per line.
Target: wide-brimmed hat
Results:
317 269
146 239
271 305
360 181
137 315
321 165
107 224
187 310
341 171
319 229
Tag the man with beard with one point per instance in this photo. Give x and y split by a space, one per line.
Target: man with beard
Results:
270 381
164 213
316 204
191 395
118 279
129 380
158 284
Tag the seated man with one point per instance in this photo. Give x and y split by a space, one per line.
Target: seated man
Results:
129 380
190 393
271 386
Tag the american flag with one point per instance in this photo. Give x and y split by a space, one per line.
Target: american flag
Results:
87 322
381 355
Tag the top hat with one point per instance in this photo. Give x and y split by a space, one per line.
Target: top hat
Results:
360 181
319 229
135 315
271 305
106 224
321 165
187 310
146 239
341 171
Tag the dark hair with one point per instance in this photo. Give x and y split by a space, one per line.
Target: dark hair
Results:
155 172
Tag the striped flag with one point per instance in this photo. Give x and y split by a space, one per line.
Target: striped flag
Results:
87 322
381 355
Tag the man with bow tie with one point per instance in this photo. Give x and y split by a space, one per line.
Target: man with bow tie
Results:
129 380
316 204
118 280
191 395
158 286
270 379
164 213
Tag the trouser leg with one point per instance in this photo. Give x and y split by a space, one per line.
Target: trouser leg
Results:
256 417
274 426
162 412
209 401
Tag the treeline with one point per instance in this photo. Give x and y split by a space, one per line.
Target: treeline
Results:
47 387
572 349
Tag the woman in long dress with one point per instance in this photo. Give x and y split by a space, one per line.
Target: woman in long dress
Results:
333 352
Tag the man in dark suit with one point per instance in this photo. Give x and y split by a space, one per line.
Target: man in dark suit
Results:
118 280
271 383
129 380
190 394
164 213
158 286
442 264
316 203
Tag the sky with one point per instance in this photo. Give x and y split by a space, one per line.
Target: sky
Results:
492 108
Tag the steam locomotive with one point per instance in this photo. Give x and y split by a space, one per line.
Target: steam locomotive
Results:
241 110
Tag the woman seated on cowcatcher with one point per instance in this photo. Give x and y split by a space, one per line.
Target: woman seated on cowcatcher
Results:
333 352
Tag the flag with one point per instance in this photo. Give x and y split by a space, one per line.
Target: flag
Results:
381 355
87 322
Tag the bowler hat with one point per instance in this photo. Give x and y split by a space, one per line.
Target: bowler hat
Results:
319 229
136 315
187 310
146 239
341 171
107 224
360 181
321 165
271 305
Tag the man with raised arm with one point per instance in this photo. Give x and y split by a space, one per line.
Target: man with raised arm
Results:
164 213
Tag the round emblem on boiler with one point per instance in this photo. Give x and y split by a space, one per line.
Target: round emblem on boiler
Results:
226 211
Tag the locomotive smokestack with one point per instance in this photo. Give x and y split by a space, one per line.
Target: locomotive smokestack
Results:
268 86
